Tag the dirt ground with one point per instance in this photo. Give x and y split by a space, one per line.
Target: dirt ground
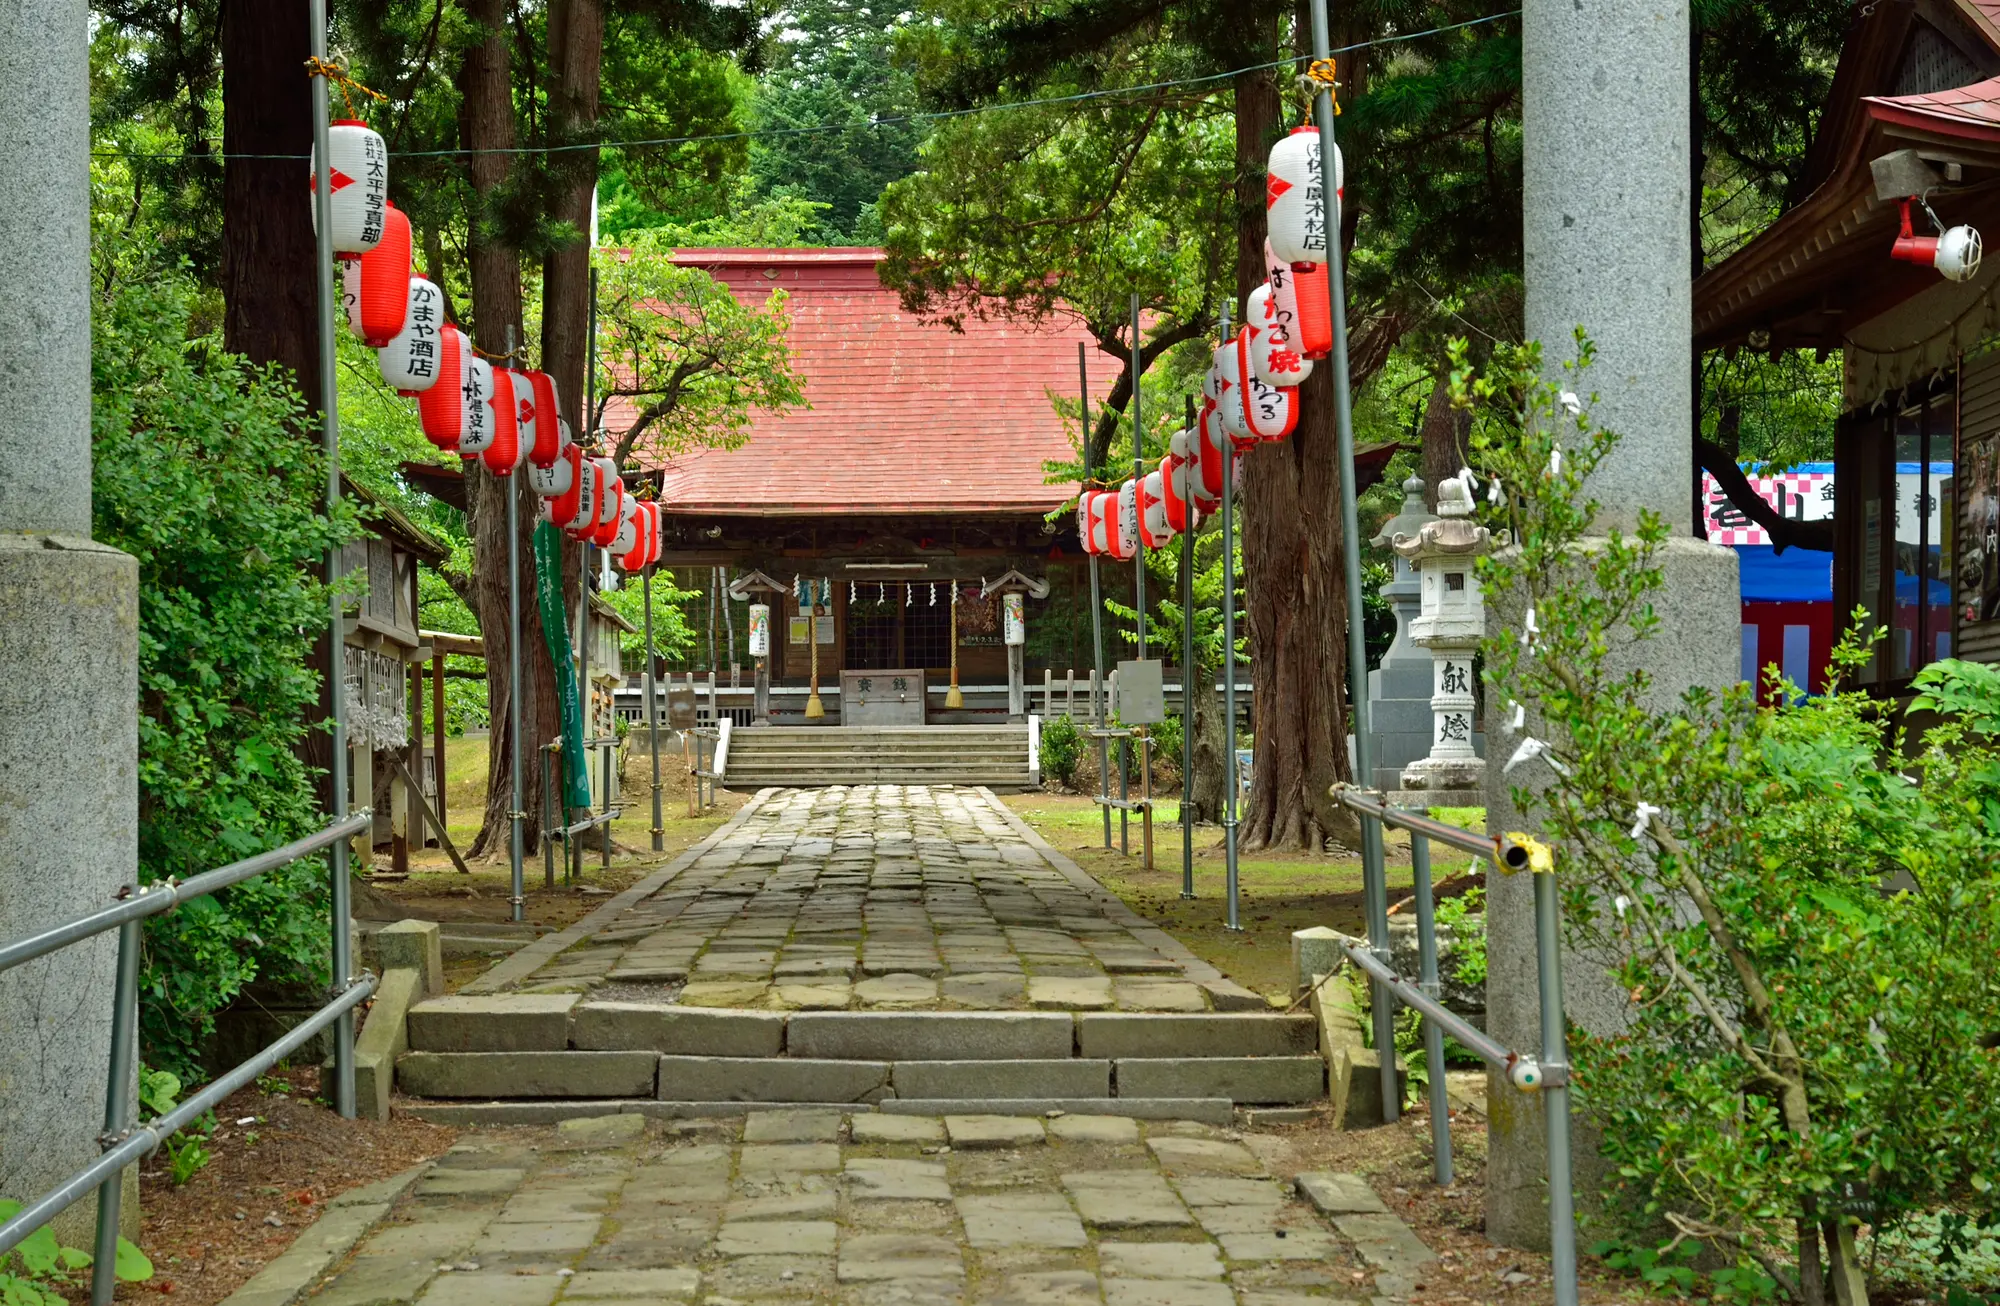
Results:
264 1185
437 890
1276 892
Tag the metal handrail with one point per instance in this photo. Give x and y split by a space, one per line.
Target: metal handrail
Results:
1547 1075
123 1141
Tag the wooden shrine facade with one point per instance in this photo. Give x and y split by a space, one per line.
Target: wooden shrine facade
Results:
1914 115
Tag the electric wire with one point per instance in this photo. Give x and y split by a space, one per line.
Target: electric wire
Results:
893 120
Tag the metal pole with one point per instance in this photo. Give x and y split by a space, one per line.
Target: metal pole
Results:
1427 980
515 816
336 853
1350 545
550 822
1555 1099
1229 768
1187 687
574 864
1096 608
653 718
1138 474
117 1108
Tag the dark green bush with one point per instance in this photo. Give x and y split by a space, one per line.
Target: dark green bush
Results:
204 475
1062 745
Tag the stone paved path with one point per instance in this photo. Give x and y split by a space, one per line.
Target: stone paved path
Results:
885 897
872 1210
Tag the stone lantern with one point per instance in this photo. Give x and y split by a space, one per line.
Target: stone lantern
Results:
1451 620
1399 690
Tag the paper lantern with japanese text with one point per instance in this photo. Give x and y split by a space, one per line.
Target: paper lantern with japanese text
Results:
503 450
477 433
630 535
1103 515
1270 411
375 287
1301 291
1276 357
1293 199
760 630
655 543
1173 492
1210 442
1013 619
1154 532
527 413
557 483
591 490
410 361
1229 392
1125 523
611 506
359 203
442 407
551 432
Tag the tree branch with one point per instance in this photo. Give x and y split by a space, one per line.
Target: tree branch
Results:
1785 532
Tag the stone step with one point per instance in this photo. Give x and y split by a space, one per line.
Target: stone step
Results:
559 1022
1262 1081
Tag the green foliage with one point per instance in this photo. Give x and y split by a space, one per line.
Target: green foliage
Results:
201 476
673 635
1800 919
694 364
187 1154
1167 736
1062 748
1465 917
159 1091
37 1272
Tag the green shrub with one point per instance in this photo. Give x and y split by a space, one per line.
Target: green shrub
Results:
1167 741
1062 746
1800 919
205 475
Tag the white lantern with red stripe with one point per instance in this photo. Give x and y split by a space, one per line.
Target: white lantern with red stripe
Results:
591 491
610 506
655 544
504 450
1209 439
1229 392
409 361
1174 493
1269 411
631 532
1103 509
1154 532
476 437
551 433
1083 507
360 200
1294 201
375 287
1275 356
1301 292
1125 523
442 407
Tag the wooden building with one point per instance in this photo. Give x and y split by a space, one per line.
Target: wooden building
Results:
917 470
1913 120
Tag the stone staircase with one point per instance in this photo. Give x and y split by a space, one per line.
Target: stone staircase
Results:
814 757
506 1051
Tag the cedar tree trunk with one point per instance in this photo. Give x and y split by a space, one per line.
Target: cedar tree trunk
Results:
270 308
1294 587
1443 437
576 54
1210 785
486 122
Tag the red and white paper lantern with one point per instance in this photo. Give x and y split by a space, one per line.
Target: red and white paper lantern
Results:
442 407
1124 514
1270 411
1086 510
503 449
1294 201
1154 532
551 433
631 532
411 361
1301 293
1173 491
557 480
1229 392
1276 357
590 491
360 200
1102 523
375 287
478 433
610 504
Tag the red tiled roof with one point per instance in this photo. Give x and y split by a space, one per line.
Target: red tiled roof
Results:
1964 111
905 418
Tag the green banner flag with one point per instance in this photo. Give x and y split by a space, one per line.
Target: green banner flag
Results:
555 628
